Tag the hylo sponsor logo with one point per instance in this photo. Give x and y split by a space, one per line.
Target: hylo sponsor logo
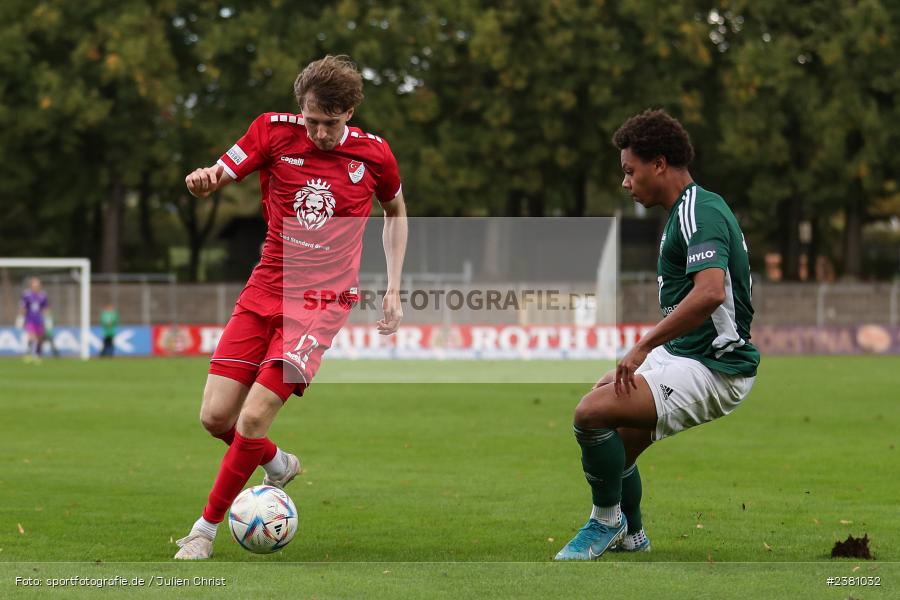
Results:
701 256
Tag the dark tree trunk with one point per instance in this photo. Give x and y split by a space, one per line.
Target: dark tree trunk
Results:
853 214
109 261
195 248
513 205
79 226
789 213
145 216
579 192
197 234
536 205
812 251
853 222
94 244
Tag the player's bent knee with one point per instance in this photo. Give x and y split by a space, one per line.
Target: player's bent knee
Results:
257 416
215 424
222 401
582 414
595 410
253 424
588 413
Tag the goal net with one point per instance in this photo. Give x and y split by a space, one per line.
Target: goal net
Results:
67 283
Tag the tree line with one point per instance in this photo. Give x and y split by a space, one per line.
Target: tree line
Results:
492 108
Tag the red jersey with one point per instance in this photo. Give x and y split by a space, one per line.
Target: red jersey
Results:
316 203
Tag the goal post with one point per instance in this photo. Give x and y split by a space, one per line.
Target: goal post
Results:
83 265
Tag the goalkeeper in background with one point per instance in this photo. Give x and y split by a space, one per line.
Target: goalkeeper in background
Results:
32 310
50 332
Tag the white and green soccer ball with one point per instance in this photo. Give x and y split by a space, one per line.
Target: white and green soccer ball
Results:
263 519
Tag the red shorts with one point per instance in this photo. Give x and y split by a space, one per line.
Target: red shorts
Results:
275 342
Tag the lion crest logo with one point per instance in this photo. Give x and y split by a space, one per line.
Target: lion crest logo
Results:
314 204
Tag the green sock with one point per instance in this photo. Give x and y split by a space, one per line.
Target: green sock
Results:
603 460
631 498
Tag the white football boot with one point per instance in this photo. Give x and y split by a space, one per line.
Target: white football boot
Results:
293 470
194 547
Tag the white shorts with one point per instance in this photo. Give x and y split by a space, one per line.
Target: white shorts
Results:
687 393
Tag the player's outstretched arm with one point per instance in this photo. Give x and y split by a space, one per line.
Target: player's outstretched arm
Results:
396 229
204 181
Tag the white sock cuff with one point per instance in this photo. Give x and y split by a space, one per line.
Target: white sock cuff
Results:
633 540
276 467
205 528
608 515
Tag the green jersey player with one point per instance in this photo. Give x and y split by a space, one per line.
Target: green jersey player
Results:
696 365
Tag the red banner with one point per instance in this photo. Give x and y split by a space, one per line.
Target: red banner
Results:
537 341
486 341
435 341
184 340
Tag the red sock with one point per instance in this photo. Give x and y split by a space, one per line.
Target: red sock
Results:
241 459
268 453
226 437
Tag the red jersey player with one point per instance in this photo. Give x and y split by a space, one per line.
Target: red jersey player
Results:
317 176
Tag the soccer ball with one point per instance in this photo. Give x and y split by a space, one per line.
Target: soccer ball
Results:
262 519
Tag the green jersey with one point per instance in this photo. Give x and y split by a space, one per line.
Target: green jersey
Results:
109 320
703 233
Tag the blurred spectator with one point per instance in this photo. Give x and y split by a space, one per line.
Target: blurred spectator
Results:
109 320
50 332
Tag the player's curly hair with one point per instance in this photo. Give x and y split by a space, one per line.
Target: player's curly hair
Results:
334 82
655 133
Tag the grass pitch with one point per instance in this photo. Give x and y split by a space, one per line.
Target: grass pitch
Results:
447 490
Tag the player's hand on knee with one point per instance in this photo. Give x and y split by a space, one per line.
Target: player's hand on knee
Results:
626 368
608 377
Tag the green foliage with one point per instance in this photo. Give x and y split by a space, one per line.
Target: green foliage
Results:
809 113
504 108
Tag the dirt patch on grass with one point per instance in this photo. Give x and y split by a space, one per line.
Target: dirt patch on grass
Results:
852 548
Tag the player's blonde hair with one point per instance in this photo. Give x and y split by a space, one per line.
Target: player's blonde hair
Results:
333 81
